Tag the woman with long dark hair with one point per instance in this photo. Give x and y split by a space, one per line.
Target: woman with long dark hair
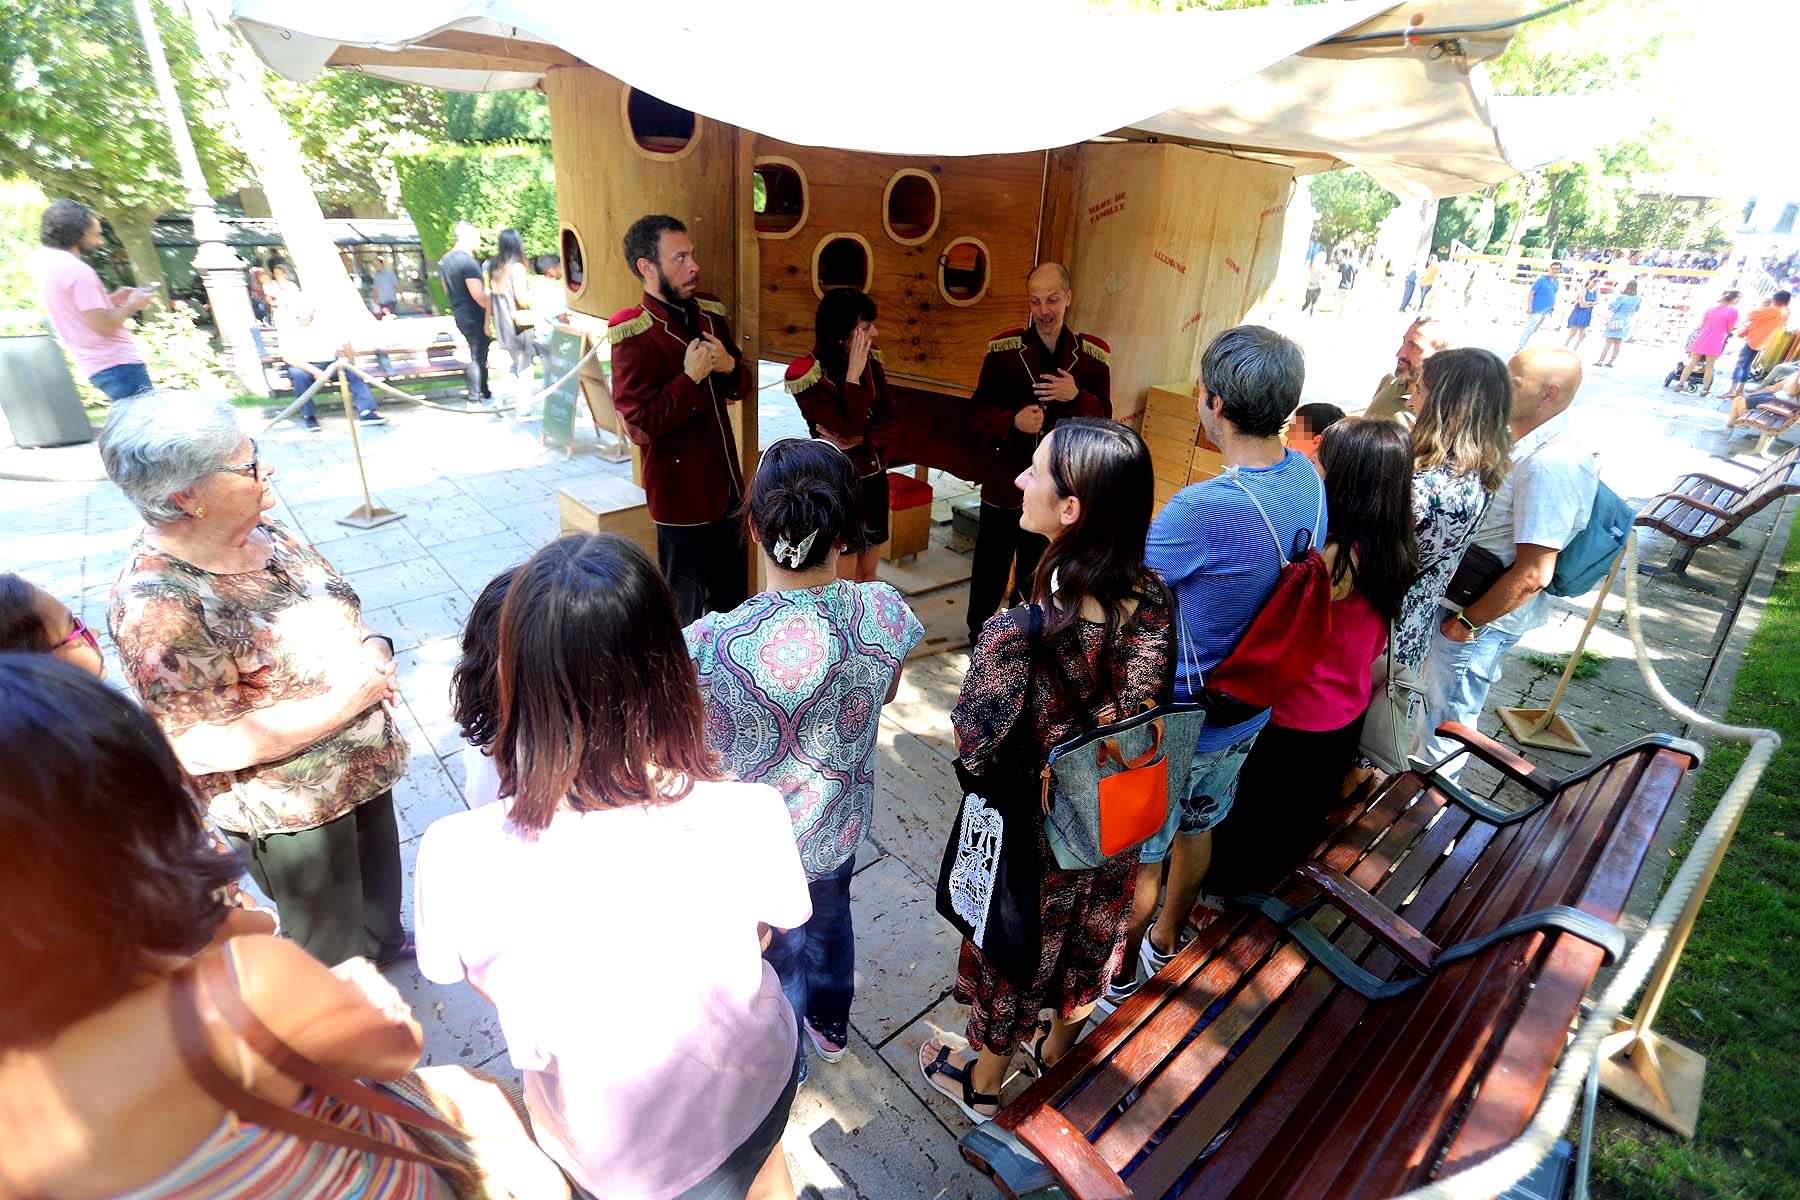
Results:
509 283
842 393
613 909
474 691
1295 773
794 680
1104 650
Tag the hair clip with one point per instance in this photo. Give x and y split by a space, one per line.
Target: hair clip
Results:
794 555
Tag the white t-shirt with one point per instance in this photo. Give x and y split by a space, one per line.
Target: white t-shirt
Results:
387 287
1545 501
481 779
620 948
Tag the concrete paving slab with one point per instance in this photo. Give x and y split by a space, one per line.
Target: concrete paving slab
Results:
504 488
916 798
936 567
473 561
450 519
947 1021
375 548
424 673
396 583
424 794
928 691
535 521
945 617
428 618
905 952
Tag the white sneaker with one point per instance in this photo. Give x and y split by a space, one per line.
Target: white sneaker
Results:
1115 995
1153 960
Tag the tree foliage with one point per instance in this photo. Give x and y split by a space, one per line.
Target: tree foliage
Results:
352 127
496 117
1350 207
489 186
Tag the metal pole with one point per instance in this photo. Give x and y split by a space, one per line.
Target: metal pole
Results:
220 269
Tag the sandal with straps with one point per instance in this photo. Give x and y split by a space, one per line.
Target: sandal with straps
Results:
1035 1048
941 1065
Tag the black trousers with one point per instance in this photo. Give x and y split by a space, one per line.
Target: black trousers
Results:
475 333
1288 787
707 566
1000 546
337 886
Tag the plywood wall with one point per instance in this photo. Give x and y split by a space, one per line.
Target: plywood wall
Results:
1171 244
925 339
604 182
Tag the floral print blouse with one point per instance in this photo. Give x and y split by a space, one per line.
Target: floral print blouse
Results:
1446 509
200 647
793 684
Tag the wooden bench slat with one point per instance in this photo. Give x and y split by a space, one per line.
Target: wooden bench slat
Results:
1071 1156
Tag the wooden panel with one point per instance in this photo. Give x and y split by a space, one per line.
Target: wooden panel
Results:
1056 225
1159 424
1172 401
1165 490
607 505
514 49
437 60
604 182
1170 458
926 341
1205 464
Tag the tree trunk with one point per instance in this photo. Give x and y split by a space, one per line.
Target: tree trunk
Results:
1553 223
275 160
132 228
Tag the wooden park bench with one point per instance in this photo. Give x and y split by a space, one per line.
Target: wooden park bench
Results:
1771 418
1702 509
1248 1068
434 353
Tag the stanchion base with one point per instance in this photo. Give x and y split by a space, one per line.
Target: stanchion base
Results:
1659 1078
365 517
1523 723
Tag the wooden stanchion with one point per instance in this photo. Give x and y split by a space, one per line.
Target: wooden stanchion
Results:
1542 727
367 515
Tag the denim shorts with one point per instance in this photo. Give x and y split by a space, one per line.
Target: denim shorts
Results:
1212 786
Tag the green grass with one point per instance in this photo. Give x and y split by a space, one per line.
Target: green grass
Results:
1736 994
1590 663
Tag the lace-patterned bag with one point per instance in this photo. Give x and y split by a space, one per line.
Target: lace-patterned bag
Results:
988 884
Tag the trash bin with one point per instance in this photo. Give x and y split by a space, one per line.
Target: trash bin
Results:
37 393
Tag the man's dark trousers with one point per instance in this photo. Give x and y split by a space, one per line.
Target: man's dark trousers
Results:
707 566
1000 546
475 333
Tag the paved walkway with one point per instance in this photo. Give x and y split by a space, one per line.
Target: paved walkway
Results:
479 495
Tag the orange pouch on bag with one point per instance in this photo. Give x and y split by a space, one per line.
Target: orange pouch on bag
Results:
1133 805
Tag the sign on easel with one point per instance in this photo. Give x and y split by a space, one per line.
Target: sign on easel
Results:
567 346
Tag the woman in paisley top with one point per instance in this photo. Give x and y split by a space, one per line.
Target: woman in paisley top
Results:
1461 446
1105 647
794 679
250 652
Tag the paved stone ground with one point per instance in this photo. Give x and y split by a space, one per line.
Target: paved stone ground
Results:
479 494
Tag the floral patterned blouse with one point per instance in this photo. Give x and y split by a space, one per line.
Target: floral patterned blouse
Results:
794 683
1132 671
204 647
1446 509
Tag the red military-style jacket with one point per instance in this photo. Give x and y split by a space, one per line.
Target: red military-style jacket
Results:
691 470
848 410
1015 359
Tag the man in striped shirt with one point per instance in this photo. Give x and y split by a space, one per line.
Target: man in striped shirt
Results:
1212 546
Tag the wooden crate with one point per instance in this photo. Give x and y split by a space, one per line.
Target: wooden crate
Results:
909 527
607 505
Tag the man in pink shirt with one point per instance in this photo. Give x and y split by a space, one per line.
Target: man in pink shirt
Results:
90 320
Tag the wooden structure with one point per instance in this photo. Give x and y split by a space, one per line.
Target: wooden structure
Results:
1180 451
1703 509
1245 1068
1772 417
607 505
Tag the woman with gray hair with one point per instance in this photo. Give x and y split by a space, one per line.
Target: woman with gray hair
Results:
250 652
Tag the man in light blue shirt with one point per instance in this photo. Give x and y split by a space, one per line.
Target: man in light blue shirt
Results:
1543 301
1543 504
1213 548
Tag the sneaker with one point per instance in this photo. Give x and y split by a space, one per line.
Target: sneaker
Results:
311 424
1115 995
826 1049
372 417
1153 960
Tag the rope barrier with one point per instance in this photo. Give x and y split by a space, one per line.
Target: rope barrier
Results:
1511 1164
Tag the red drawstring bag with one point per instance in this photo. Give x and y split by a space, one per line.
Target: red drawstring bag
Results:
1287 636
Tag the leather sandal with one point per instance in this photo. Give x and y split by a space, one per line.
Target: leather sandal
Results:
941 1065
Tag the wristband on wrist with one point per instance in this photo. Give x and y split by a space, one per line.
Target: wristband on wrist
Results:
1471 626
384 637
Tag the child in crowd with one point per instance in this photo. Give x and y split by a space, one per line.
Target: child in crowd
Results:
793 681
474 698
1294 774
1309 424
34 620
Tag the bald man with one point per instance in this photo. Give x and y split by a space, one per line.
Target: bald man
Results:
1393 395
1543 504
1032 378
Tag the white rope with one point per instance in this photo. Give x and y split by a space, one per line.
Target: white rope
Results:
1521 1156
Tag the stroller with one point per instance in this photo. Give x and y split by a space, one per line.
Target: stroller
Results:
1694 379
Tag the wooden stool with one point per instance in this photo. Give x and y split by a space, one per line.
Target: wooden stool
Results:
608 505
909 517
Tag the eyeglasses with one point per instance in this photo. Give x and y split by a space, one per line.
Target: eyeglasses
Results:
79 629
250 470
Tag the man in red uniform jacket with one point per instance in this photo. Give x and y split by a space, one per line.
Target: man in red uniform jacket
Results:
674 369
1031 379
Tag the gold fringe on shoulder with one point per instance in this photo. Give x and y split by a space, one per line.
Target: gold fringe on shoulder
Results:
875 355
624 329
796 386
715 307
1094 351
1006 343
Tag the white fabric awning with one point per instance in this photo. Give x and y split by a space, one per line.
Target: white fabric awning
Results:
956 77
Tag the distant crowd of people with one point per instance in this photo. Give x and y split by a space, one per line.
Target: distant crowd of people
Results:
671 779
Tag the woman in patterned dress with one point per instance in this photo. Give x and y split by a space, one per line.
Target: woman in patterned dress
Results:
793 680
251 653
1461 448
1105 649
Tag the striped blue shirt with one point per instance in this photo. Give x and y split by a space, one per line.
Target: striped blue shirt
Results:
1212 547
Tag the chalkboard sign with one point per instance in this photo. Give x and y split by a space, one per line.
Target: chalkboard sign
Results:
566 348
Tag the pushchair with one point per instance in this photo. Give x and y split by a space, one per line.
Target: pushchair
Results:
1695 378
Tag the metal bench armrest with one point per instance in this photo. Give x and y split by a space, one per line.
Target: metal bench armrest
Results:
1382 923
1516 768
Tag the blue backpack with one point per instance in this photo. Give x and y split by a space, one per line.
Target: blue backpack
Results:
1589 555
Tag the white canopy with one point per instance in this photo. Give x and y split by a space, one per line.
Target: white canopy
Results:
954 77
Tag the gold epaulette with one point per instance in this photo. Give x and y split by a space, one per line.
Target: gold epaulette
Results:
875 355
628 327
715 307
1094 348
811 376
1014 342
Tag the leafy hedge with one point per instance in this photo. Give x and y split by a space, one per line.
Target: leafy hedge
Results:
492 186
